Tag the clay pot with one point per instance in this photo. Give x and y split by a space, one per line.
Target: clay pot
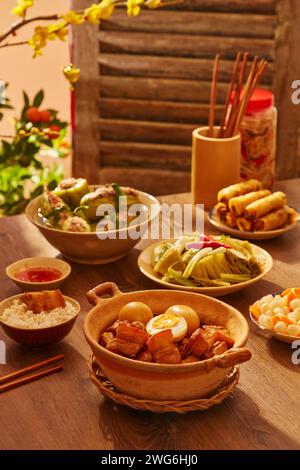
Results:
164 381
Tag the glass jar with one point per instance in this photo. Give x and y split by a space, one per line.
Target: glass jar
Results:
258 134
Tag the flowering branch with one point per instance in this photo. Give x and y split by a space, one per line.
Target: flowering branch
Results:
16 26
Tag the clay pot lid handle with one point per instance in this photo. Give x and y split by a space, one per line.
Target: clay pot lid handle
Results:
95 295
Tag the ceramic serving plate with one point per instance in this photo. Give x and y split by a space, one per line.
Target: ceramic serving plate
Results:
145 266
216 222
285 338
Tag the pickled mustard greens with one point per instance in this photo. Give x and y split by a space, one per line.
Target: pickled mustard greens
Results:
73 205
205 261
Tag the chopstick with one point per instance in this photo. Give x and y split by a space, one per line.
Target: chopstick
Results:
243 89
237 97
229 95
7 381
30 378
213 95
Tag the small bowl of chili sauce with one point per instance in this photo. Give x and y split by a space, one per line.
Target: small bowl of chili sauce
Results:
38 273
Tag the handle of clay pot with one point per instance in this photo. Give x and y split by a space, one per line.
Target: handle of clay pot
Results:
232 358
95 295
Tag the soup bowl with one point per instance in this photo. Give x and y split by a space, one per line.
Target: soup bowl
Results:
87 247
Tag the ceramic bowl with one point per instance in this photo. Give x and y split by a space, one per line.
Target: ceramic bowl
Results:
87 248
38 262
164 381
38 337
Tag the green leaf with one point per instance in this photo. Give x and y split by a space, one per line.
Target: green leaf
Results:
52 185
26 99
37 192
38 99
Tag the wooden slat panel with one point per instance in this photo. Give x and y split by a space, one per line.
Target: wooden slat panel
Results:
287 70
247 6
86 155
166 111
160 88
167 67
182 46
153 181
208 23
164 89
145 155
158 132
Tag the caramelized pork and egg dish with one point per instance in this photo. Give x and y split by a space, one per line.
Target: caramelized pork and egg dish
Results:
175 337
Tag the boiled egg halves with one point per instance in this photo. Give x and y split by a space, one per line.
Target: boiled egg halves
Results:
168 321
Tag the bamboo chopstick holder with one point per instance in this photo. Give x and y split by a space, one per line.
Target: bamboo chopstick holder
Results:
32 368
30 378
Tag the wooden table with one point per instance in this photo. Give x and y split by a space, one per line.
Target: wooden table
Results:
66 411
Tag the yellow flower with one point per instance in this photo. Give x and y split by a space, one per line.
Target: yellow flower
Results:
153 3
58 30
93 14
39 39
72 74
133 7
107 8
43 34
71 17
21 7
99 11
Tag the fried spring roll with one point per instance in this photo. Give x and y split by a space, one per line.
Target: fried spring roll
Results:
244 224
230 220
224 195
273 221
238 204
264 206
221 210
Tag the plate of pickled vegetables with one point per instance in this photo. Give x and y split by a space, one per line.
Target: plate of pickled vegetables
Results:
247 210
279 314
212 265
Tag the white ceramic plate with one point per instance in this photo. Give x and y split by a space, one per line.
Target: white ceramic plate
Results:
216 222
145 266
285 338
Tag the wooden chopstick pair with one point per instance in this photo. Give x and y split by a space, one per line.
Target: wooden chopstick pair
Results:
235 109
30 373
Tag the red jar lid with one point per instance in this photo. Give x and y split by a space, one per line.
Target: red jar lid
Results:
261 99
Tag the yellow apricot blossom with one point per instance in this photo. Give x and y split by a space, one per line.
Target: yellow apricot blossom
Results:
59 30
134 7
22 7
99 11
39 39
71 17
153 4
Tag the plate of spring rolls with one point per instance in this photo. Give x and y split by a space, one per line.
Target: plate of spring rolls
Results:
247 210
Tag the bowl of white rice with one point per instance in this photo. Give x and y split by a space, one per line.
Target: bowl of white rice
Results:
37 329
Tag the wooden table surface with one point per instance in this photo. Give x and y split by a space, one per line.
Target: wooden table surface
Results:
66 411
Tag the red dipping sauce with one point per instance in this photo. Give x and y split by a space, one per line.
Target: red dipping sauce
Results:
38 275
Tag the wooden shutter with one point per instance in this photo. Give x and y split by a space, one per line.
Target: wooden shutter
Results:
145 84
